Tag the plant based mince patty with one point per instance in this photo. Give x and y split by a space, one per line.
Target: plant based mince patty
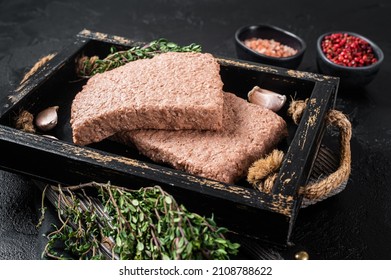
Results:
249 131
172 91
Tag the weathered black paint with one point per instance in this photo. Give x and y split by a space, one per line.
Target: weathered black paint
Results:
80 164
355 224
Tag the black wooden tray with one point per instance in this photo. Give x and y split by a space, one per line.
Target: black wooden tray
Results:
244 210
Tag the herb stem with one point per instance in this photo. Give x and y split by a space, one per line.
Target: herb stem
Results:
131 224
90 66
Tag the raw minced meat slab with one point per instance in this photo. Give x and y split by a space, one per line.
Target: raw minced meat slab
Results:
249 131
170 91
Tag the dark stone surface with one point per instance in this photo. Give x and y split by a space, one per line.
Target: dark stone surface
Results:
355 224
18 234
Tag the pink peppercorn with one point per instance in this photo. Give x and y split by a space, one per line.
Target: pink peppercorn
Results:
348 50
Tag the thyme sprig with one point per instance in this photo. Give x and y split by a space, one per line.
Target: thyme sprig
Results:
89 66
124 224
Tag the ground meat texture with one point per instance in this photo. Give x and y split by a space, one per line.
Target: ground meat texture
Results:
249 131
170 91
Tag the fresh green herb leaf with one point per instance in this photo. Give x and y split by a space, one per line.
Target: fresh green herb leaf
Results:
89 66
131 224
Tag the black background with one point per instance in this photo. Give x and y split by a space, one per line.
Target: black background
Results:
355 224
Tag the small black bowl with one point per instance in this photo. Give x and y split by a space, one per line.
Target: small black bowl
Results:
350 77
269 32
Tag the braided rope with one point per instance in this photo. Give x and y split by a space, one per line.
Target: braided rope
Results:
335 179
263 172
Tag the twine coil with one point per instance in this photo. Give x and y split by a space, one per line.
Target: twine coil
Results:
263 172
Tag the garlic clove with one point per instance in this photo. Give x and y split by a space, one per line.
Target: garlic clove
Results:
47 119
50 136
266 98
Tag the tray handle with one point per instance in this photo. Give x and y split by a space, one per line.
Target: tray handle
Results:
263 172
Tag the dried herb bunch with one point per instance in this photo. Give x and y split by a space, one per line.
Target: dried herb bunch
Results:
126 224
89 66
